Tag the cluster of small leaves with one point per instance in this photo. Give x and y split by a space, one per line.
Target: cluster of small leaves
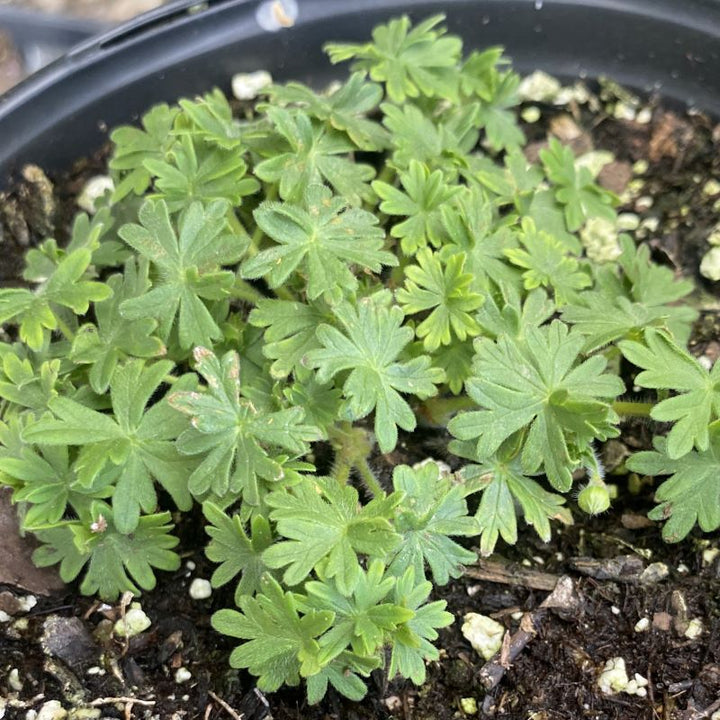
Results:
337 266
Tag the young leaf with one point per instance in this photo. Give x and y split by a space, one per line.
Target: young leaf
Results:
546 263
116 562
135 439
196 172
290 331
345 109
322 519
231 433
188 267
692 494
36 312
237 553
279 644
314 154
667 366
534 384
434 509
409 61
504 486
322 240
133 146
443 288
425 195
575 187
115 338
498 93
369 347
343 673
45 479
412 646
211 118
364 619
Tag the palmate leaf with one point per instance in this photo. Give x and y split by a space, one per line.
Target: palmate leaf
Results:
575 187
25 386
666 366
425 195
116 562
456 362
136 439
497 90
322 520
364 619
237 553
546 263
631 296
369 345
507 312
534 384
210 117
692 494
604 318
232 435
345 109
116 338
290 331
409 61
280 645
469 223
434 509
441 143
194 171
45 479
188 265
314 154
343 673
444 289
36 312
504 486
322 239
412 642
133 146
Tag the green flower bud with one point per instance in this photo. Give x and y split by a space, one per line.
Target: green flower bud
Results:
594 499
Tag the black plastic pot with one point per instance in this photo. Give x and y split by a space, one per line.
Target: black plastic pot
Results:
63 112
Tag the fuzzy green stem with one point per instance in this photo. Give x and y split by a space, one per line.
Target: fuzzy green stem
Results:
65 329
243 290
284 294
633 409
368 477
352 447
239 229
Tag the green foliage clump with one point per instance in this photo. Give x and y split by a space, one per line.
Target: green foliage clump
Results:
252 300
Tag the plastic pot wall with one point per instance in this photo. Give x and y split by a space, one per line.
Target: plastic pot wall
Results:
64 111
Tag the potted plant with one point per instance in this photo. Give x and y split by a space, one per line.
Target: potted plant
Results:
274 312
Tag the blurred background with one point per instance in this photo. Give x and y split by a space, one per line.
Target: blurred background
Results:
108 10
35 32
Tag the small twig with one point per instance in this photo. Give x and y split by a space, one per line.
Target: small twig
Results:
562 597
225 706
710 709
124 700
507 574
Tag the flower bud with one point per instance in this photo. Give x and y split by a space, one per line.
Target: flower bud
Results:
594 499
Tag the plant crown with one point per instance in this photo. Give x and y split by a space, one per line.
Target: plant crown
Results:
319 275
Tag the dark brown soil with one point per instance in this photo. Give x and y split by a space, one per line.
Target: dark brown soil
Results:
554 676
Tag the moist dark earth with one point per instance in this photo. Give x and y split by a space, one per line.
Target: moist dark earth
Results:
619 569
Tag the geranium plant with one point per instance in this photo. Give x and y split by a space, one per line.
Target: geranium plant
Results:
308 278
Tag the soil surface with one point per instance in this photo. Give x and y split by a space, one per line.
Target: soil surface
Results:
569 605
